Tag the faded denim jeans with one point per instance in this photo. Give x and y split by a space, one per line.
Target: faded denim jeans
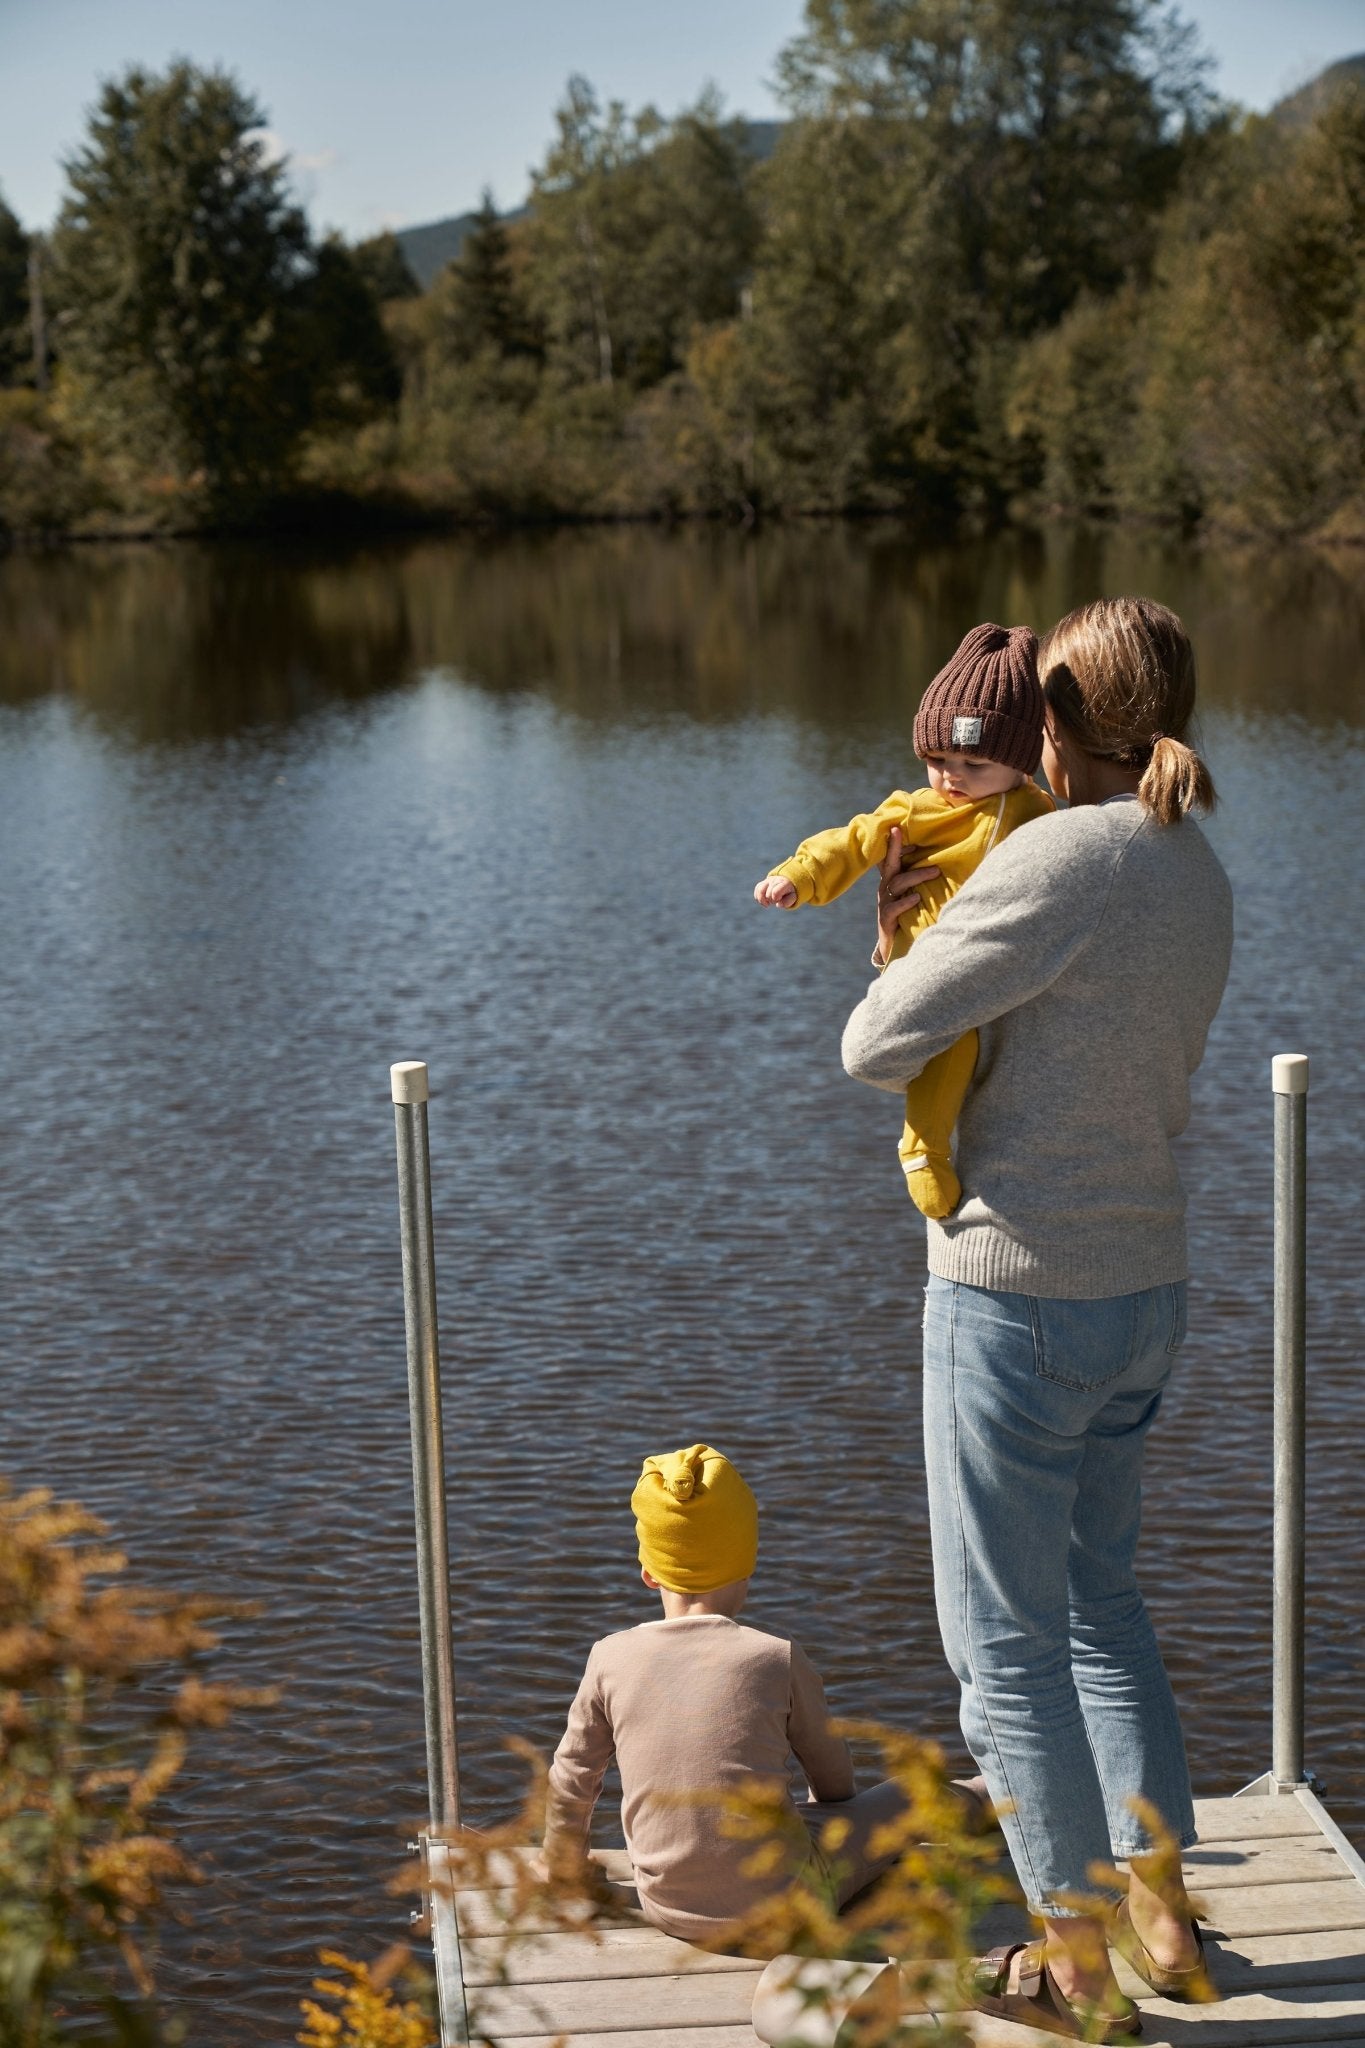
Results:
1035 1416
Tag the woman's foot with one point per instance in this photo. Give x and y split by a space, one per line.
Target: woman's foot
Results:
1163 1922
1025 1983
1077 1952
1157 1935
1187 1983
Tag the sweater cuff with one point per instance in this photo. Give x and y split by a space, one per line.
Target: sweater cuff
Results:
801 879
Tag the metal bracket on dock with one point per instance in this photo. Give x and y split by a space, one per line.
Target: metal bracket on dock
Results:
1267 1786
445 1942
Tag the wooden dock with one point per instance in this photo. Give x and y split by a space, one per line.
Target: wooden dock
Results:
1283 1891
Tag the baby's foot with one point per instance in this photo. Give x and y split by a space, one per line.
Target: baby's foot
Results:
934 1188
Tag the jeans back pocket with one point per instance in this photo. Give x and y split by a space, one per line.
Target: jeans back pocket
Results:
1084 1344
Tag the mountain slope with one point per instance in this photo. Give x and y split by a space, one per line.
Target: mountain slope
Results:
1303 106
433 244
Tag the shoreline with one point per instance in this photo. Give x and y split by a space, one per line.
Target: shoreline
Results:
342 520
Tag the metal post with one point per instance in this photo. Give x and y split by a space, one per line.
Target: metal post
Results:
1289 1081
409 1084
409 1079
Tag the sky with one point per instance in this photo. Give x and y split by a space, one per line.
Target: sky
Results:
401 113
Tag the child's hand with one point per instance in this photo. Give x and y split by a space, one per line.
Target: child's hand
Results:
776 891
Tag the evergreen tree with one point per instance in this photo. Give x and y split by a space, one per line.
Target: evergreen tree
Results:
1046 134
385 269
1233 386
189 286
485 308
16 342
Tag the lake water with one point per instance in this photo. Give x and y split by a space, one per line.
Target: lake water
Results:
271 820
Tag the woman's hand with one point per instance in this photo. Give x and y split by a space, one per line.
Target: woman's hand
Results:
897 892
776 891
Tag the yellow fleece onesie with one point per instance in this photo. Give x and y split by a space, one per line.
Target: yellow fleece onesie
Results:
955 838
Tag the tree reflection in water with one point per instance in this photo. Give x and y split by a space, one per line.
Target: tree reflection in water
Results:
836 626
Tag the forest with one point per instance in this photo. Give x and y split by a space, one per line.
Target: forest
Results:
1005 260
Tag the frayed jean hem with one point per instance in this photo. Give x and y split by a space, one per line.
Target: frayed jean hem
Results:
1124 1850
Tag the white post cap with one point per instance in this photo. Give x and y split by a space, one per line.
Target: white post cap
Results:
409 1078
1289 1073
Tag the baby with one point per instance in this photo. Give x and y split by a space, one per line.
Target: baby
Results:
698 1703
979 732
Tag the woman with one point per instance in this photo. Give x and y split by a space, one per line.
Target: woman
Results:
1090 953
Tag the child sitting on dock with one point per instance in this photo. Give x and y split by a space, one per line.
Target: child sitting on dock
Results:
979 732
697 1703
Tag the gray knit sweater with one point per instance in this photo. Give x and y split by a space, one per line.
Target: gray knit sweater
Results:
1090 952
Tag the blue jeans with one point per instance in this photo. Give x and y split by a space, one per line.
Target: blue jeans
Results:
1035 1416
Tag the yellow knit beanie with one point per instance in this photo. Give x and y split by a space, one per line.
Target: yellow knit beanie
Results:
696 1520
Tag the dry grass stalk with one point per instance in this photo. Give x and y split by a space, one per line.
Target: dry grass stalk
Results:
369 2014
99 1696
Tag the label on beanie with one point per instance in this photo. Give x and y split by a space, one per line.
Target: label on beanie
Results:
966 732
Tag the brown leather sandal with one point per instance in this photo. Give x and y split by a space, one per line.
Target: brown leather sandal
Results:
1036 2001
1190 1986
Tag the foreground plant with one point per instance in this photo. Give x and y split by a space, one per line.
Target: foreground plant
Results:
945 1875
100 1692
922 1915
369 2014
520 1900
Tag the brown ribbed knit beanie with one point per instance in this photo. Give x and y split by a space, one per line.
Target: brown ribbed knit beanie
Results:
986 701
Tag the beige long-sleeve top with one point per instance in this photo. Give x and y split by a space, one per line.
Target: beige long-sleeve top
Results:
685 1707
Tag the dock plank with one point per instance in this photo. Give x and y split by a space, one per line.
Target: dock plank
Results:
1271 1859
613 2005
486 1913
644 2037
1250 2022
1306 2012
617 1952
1263 1962
1242 1819
504 1866
1331 1902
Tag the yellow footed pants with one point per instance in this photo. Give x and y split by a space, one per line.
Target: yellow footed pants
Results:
933 1102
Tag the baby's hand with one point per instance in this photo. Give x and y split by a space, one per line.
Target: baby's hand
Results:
776 891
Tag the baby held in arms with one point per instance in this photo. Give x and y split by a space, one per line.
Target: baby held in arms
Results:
979 733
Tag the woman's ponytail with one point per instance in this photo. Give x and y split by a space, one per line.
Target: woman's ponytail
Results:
1175 781
1118 675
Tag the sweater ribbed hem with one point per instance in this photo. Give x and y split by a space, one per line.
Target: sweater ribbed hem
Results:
981 1255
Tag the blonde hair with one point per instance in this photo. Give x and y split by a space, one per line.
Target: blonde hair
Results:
1118 676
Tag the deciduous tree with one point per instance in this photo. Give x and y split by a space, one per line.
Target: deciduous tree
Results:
1006 155
642 230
